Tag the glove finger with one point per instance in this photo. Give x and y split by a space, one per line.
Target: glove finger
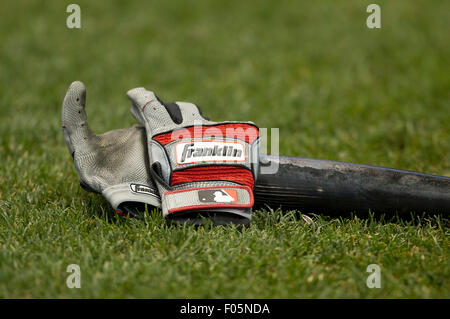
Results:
149 110
191 113
77 133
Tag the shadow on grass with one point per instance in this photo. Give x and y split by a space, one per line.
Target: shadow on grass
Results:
97 207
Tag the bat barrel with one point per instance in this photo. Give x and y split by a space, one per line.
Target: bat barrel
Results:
336 188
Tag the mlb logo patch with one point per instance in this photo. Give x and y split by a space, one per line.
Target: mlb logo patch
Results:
221 196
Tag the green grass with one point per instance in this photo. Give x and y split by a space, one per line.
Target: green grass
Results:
336 90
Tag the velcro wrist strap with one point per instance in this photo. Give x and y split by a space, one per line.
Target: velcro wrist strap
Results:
208 149
201 198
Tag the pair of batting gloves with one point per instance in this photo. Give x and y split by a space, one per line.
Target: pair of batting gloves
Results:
194 169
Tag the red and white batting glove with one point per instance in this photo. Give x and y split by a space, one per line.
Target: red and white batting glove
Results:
201 168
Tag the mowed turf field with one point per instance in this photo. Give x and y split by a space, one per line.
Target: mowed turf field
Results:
335 89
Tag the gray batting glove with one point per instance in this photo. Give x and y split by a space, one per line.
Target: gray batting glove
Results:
114 164
201 168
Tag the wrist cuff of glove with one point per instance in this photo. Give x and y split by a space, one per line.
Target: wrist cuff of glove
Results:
122 196
208 198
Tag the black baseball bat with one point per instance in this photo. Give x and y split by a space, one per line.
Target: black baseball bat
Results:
339 188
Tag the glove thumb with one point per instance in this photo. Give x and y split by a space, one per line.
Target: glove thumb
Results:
77 133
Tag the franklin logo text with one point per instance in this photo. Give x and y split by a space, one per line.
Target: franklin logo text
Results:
208 151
